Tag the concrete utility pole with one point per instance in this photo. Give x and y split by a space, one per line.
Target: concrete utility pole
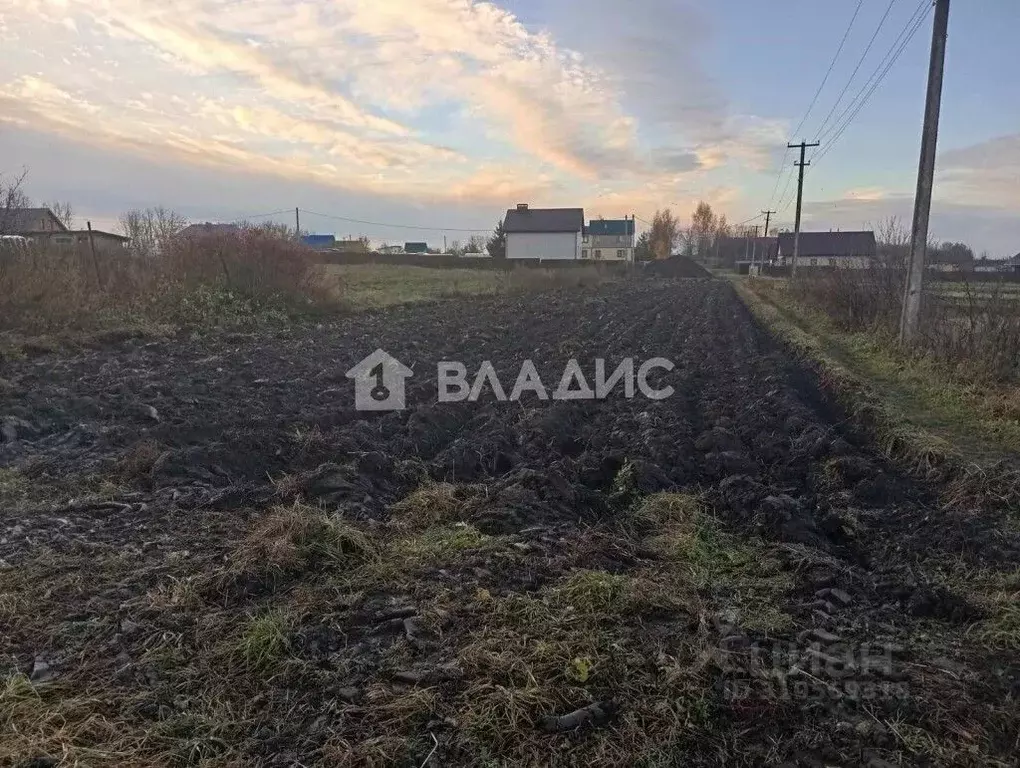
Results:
297 223
912 293
754 246
800 199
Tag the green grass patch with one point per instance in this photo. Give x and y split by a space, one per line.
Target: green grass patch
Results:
264 641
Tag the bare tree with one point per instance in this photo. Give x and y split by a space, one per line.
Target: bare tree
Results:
12 197
275 229
152 228
893 241
63 211
475 244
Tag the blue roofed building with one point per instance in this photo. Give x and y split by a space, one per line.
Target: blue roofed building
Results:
319 241
609 240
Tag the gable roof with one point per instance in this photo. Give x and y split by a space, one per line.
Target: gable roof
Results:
544 220
194 230
84 233
611 227
830 243
26 220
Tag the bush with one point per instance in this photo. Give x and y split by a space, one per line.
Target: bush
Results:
974 327
235 278
855 299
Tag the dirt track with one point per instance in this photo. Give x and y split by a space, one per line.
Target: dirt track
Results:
148 464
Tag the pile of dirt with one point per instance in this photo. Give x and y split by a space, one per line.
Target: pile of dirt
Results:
209 554
674 266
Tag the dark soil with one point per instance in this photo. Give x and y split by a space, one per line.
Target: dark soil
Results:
136 471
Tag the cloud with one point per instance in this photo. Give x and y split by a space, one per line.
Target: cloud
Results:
153 134
985 174
455 100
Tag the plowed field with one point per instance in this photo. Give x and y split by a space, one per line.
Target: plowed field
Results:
210 557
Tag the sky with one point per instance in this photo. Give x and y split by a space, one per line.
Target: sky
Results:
444 113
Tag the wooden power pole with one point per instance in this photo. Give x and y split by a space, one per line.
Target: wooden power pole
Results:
800 199
912 294
297 223
768 218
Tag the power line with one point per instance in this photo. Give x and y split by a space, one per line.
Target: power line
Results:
783 203
832 65
395 226
263 215
916 18
861 100
748 221
814 101
857 69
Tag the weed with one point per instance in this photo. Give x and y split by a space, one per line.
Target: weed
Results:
264 641
438 546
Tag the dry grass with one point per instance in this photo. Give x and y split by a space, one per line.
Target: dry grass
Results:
213 682
920 412
228 280
971 331
297 539
429 505
51 297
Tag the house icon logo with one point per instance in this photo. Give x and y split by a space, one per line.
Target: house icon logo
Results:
379 382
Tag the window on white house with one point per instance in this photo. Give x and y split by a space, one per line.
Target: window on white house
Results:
584 254
598 254
814 262
619 254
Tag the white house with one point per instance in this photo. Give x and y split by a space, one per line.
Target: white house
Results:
609 240
855 250
543 233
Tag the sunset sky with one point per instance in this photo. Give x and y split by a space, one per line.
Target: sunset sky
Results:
443 113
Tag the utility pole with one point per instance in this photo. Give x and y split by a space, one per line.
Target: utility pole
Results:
768 218
912 292
297 223
95 259
800 199
754 248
